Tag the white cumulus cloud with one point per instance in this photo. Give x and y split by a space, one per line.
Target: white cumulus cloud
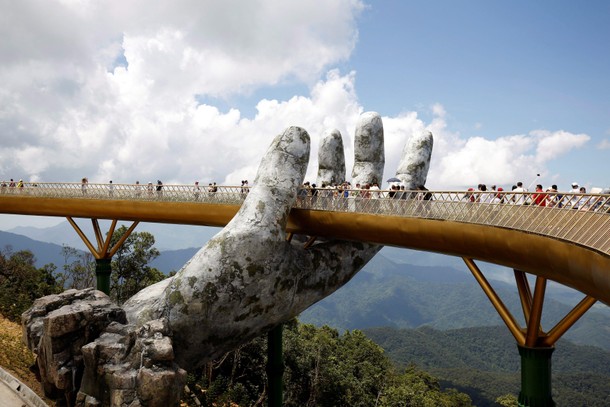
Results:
121 91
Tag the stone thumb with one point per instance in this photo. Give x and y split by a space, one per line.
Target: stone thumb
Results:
280 174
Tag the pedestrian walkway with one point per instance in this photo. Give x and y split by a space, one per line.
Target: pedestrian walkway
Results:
13 393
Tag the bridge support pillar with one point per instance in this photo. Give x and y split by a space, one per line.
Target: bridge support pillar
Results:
275 366
102 274
535 377
104 251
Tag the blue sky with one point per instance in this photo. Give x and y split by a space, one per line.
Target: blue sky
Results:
195 90
498 69
511 66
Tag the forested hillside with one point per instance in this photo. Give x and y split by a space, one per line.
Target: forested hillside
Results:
385 293
484 363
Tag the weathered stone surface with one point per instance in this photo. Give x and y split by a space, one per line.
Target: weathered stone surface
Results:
130 366
248 278
331 159
56 327
369 154
33 319
243 282
415 161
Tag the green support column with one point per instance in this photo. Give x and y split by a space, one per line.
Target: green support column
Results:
535 377
275 366
102 274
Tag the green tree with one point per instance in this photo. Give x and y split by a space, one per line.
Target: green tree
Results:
508 400
21 282
322 368
130 265
327 369
78 270
416 388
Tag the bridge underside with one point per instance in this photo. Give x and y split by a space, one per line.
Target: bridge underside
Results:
579 267
575 266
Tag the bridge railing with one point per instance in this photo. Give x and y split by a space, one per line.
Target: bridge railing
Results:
137 192
579 218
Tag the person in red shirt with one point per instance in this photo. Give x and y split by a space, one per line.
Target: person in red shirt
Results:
538 198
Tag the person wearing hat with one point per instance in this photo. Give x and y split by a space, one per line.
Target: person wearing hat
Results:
499 197
20 186
469 196
575 190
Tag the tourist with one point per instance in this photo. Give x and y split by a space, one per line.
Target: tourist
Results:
575 198
583 201
539 198
196 190
519 198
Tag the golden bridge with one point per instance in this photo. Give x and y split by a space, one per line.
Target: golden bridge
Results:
567 240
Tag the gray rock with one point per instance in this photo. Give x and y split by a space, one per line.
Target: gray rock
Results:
132 366
331 159
369 154
415 161
56 327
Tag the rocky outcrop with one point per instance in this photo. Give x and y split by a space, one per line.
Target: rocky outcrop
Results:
87 355
56 328
129 366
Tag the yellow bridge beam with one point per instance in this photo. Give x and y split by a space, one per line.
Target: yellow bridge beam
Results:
572 265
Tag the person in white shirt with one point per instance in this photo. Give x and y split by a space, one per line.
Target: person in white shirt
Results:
375 191
583 202
519 199
485 197
575 198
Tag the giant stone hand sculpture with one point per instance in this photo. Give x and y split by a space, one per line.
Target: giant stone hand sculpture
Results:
249 277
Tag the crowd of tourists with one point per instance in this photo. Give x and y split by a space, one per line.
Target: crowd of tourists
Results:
326 194
576 198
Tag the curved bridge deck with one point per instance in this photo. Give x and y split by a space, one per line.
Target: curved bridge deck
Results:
567 241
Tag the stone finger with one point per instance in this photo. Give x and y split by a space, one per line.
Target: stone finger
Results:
331 159
369 155
415 162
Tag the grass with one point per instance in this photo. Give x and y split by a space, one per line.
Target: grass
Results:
16 358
